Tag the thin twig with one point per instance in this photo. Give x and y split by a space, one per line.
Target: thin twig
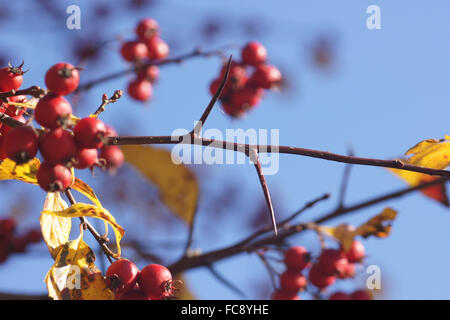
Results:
101 240
262 180
245 246
105 101
197 52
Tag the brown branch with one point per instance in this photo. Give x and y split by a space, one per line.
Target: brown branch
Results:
21 296
246 245
262 180
105 101
34 91
197 52
100 239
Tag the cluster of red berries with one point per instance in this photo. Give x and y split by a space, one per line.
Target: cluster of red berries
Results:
355 295
11 243
242 91
154 282
332 264
146 48
60 147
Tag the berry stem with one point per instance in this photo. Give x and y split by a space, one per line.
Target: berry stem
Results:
101 240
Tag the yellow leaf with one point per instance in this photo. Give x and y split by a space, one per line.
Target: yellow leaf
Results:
26 172
83 188
74 275
436 192
378 226
178 186
431 153
88 210
55 229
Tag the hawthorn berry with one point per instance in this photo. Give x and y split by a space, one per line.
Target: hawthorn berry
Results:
33 236
19 244
52 111
232 110
141 90
89 133
265 76
7 227
237 76
147 28
155 281
62 78
297 258
21 144
58 146
254 54
339 295
332 262
318 279
122 275
11 78
133 50
112 156
54 178
85 158
12 110
292 281
5 129
361 295
356 253
157 48
150 73
285 295
134 294
348 272
246 97
3 155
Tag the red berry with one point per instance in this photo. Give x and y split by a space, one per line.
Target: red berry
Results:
110 132
254 54
134 294
58 146
246 97
11 78
361 295
150 73
16 110
5 129
7 227
54 178
320 280
133 50
292 281
237 76
283 295
52 111
140 90
112 156
85 158
33 236
339 295
122 275
147 28
233 110
332 262
155 280
89 133
3 155
62 78
297 258
265 76
157 48
21 144
349 272
356 252
19 244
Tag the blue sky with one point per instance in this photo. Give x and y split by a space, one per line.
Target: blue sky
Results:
388 90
